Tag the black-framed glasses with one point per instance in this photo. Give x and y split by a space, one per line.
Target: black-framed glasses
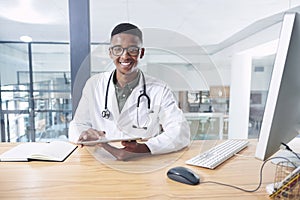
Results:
118 50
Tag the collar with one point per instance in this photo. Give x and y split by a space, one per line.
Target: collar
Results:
131 85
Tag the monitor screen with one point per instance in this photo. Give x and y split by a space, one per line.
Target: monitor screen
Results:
281 120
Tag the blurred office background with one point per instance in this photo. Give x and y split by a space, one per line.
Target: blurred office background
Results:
218 64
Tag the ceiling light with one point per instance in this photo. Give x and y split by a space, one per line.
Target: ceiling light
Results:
26 38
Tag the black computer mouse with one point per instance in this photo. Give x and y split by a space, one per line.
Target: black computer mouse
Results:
183 175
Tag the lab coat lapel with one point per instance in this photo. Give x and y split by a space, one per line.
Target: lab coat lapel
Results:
129 110
128 114
131 102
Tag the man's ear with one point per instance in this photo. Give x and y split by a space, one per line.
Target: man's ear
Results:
142 52
110 54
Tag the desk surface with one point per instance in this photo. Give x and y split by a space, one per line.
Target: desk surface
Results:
83 176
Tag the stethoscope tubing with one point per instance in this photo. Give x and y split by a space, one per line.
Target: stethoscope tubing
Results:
106 112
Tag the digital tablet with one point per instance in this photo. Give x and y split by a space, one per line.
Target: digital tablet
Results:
105 140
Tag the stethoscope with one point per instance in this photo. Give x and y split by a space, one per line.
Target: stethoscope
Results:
106 112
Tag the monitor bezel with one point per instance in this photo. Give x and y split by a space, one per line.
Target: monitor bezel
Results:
281 119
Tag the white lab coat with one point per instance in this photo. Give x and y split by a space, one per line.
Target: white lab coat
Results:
163 111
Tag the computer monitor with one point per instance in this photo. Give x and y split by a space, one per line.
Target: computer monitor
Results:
281 119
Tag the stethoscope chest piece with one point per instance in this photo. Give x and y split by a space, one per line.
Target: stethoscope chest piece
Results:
105 114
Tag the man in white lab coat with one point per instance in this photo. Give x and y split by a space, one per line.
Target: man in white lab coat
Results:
126 103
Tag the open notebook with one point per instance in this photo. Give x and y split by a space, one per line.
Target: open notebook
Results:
54 151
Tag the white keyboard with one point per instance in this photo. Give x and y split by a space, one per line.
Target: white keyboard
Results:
218 154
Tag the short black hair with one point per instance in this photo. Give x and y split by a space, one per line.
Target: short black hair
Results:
127 28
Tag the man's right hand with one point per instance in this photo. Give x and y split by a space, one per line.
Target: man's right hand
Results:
90 135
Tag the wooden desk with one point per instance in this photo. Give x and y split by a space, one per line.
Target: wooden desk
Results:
82 176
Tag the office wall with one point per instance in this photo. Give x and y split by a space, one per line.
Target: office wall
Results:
261 73
51 57
13 58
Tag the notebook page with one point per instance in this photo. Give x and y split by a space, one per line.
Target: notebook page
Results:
55 150
22 152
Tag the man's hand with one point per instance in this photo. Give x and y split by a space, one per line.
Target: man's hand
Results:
131 149
135 147
90 135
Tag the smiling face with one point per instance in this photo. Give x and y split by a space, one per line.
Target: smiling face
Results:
126 63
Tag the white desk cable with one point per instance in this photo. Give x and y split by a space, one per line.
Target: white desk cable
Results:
286 147
244 156
260 177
